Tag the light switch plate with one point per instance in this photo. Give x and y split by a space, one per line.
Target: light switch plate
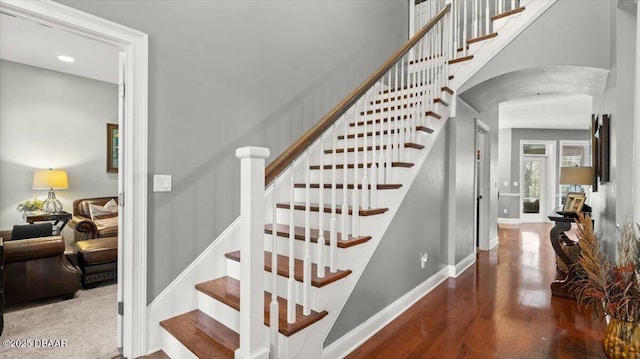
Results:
161 183
515 183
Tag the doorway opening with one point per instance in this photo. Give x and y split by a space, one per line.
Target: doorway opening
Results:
133 153
537 180
482 186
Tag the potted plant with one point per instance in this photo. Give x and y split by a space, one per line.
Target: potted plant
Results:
611 288
30 206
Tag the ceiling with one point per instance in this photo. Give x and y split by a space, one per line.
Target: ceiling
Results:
27 42
552 111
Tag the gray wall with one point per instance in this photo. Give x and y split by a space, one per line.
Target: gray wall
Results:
552 40
54 120
394 268
510 169
445 184
226 74
614 200
461 181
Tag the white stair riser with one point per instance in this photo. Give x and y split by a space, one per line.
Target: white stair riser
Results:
173 348
328 176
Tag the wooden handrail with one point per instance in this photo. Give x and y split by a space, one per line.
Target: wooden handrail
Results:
282 162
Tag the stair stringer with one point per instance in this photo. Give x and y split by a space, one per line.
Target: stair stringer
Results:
308 344
508 29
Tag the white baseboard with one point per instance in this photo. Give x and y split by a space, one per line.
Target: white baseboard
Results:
493 243
355 338
508 220
464 264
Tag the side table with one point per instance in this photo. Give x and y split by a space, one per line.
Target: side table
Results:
561 287
64 217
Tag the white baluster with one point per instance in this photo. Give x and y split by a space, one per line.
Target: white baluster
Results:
404 110
274 306
513 4
333 236
306 274
374 158
252 216
345 170
398 113
500 6
389 148
463 42
355 201
365 169
291 302
320 245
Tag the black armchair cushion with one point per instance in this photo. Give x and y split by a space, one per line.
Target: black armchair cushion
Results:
31 231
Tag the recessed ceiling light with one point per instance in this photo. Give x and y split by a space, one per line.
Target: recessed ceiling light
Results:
66 58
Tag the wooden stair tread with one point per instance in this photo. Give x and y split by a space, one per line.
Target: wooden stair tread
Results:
370 133
282 230
155 355
460 59
202 335
299 206
393 118
378 147
447 89
283 269
380 186
440 100
361 165
482 38
387 109
227 291
508 13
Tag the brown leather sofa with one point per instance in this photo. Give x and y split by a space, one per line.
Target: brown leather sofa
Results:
83 223
36 268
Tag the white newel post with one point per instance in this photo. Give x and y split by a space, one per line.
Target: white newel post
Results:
252 218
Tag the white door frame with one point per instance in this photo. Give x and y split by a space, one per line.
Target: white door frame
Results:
550 185
483 242
134 160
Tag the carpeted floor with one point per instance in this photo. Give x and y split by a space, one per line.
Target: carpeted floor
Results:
83 327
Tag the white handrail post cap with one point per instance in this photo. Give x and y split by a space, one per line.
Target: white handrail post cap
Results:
252 152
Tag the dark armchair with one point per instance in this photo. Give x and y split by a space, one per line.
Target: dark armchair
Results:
36 268
89 228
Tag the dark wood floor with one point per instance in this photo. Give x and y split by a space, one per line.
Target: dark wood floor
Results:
500 308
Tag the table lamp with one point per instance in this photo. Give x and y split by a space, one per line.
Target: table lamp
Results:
576 177
50 180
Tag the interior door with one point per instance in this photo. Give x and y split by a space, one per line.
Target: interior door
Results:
121 119
533 188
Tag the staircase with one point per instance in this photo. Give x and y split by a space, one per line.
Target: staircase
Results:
328 202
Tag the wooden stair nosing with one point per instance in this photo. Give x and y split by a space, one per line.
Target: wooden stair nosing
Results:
202 335
460 59
508 13
227 291
447 90
370 148
440 100
313 207
482 38
283 269
282 230
361 165
370 133
380 186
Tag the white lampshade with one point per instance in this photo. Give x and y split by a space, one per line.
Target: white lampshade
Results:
50 179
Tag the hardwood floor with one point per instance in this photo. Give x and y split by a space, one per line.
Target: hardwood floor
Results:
501 308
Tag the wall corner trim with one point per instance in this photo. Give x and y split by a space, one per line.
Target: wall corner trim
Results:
464 264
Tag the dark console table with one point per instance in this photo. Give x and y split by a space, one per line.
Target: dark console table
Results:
567 252
62 216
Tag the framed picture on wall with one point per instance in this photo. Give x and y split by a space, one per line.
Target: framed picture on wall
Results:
112 148
574 202
603 140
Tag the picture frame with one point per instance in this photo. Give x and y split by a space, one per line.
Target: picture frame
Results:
574 203
595 152
603 140
113 140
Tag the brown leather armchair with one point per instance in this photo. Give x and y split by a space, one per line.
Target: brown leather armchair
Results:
82 222
36 268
